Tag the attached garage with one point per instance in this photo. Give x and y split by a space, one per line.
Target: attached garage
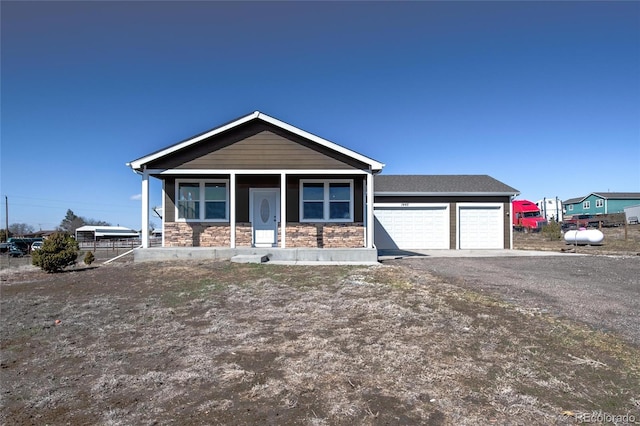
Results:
480 226
414 212
420 226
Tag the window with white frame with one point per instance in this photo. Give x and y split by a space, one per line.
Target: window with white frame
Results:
586 205
570 207
326 200
599 202
205 201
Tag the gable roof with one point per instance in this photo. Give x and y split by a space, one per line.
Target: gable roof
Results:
618 195
138 164
606 196
441 185
573 200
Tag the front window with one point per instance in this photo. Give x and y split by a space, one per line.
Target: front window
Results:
189 201
326 201
313 201
586 205
599 203
202 201
340 201
215 201
570 207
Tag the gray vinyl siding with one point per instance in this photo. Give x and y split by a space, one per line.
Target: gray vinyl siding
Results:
169 200
256 146
265 150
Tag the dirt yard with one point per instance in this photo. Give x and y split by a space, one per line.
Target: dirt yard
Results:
221 343
617 241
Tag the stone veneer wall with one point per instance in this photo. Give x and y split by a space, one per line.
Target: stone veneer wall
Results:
243 234
196 234
299 235
325 235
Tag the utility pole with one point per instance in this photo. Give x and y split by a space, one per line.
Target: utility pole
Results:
6 218
6 235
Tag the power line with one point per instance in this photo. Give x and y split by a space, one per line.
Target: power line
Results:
122 209
61 201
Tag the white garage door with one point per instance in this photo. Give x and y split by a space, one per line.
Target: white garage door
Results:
422 227
481 227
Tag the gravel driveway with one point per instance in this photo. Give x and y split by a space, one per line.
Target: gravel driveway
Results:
602 291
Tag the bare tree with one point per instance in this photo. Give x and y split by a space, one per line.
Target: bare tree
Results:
20 229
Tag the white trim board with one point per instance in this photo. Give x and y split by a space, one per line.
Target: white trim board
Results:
140 162
164 172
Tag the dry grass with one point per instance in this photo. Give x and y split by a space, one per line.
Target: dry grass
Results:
617 241
197 343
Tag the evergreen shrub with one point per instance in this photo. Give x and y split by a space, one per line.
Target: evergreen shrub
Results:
58 251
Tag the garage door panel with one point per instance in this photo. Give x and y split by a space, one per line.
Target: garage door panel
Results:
481 227
412 227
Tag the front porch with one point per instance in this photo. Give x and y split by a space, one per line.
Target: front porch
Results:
284 209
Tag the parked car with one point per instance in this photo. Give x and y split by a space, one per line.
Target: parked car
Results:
15 251
36 245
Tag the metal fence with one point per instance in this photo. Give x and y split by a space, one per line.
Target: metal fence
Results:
117 244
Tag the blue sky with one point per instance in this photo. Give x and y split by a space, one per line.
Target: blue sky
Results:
544 96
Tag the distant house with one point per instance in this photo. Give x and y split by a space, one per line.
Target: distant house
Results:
601 203
41 234
93 233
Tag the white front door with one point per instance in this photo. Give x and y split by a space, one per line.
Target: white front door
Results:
264 216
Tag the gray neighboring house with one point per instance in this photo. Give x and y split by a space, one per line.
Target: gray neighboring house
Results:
442 212
258 182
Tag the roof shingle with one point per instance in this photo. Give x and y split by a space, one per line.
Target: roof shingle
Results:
434 184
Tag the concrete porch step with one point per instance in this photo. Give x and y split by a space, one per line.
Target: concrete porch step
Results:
250 258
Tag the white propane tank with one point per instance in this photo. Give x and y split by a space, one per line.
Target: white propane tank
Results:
584 236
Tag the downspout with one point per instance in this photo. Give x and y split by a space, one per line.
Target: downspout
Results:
511 221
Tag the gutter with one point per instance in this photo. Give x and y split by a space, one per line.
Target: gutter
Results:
444 194
138 172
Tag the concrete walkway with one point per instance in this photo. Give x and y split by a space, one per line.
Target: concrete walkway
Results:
318 263
402 254
414 254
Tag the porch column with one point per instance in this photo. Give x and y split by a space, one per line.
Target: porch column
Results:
283 210
145 208
370 219
232 208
